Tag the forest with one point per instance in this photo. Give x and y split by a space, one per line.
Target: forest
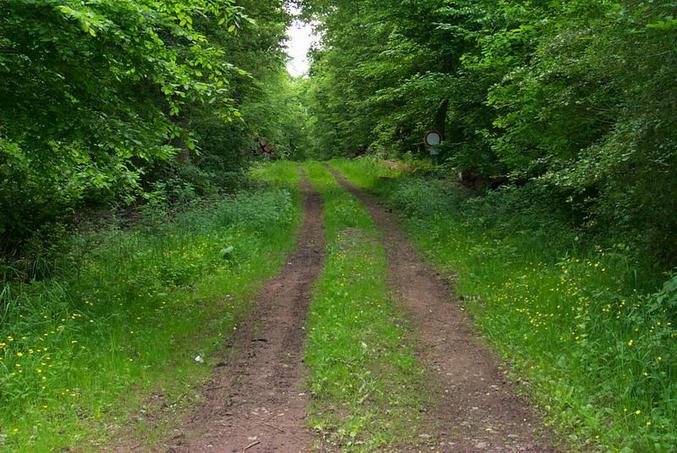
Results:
163 179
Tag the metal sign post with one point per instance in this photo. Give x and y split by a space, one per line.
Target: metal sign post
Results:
432 140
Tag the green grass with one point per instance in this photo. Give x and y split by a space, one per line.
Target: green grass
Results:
585 324
365 381
84 355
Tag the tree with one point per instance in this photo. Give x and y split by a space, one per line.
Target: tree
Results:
101 100
575 98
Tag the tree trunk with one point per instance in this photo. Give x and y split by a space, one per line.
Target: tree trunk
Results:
441 118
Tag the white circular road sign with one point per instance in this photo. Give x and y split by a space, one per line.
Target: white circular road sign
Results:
433 138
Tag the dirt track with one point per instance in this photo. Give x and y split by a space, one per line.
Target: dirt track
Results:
256 398
476 410
256 402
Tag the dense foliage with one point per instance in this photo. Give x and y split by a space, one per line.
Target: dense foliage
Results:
112 102
576 98
136 116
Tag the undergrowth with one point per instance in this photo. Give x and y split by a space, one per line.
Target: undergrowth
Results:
365 380
84 353
583 319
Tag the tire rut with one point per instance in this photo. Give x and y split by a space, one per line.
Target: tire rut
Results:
476 408
255 400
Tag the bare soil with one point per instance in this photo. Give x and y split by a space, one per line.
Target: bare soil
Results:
476 409
255 401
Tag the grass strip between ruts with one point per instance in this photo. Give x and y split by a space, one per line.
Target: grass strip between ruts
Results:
365 381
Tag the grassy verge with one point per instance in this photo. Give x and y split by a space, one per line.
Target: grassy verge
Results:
589 330
365 380
85 355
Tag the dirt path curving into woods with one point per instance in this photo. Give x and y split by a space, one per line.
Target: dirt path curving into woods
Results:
255 401
476 408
